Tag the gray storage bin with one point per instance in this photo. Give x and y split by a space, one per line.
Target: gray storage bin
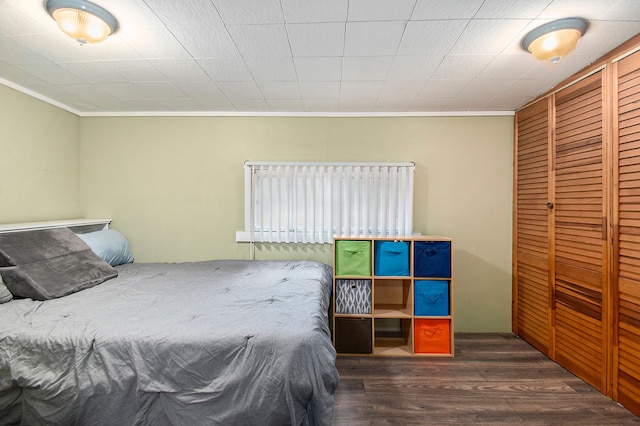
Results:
353 296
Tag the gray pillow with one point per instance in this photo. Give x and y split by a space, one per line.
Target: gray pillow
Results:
49 263
5 294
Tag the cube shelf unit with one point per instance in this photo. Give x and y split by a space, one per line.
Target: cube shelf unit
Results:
393 296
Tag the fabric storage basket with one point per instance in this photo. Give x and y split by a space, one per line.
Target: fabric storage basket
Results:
431 298
353 258
432 259
391 258
353 336
432 336
353 296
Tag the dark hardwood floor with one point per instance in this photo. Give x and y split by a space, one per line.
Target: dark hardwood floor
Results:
493 379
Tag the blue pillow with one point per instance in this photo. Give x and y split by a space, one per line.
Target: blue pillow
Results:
110 245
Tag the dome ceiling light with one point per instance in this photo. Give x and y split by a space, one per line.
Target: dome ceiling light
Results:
81 20
555 39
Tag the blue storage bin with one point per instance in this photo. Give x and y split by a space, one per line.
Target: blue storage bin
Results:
431 298
432 259
391 258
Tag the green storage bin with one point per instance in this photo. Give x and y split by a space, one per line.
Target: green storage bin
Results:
353 258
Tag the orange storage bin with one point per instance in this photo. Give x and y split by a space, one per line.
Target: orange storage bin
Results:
432 336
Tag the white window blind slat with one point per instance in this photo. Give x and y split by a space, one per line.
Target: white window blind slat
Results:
312 202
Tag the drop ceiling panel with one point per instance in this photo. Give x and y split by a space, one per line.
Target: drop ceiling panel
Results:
256 41
373 38
380 10
302 55
247 12
321 39
311 11
318 69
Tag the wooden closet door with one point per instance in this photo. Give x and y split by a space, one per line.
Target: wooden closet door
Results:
531 301
579 232
627 200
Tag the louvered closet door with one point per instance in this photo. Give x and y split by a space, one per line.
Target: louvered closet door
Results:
532 297
627 361
580 254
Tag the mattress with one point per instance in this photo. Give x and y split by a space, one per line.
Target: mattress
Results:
226 342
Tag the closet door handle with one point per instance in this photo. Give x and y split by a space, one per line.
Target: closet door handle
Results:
549 205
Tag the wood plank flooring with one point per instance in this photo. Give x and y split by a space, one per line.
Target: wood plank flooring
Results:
494 379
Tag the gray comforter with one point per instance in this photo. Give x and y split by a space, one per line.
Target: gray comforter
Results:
203 343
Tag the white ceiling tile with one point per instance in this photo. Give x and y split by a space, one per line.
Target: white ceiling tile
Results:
391 106
400 91
592 44
15 53
319 90
153 42
285 105
255 41
180 70
240 90
15 21
279 55
309 11
197 15
505 66
51 73
95 72
214 104
449 9
250 105
505 9
86 91
373 38
360 89
589 9
179 104
226 69
380 10
123 90
212 42
280 89
146 105
200 90
487 36
15 75
412 67
462 66
624 10
419 35
272 68
318 69
356 105
159 89
100 105
242 12
366 67
137 70
323 39
321 105
442 89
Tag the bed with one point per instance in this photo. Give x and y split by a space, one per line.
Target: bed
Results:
222 342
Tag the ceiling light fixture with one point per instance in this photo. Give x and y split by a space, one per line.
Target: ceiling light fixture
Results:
81 20
555 39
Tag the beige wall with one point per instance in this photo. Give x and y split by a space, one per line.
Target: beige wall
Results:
39 160
174 187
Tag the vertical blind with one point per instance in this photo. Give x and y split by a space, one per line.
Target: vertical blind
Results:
311 202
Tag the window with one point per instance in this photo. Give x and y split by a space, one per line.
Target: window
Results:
312 202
